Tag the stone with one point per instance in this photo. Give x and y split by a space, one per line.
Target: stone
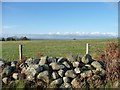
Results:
30 71
84 68
7 70
77 70
66 86
66 64
88 66
70 73
55 75
56 82
61 59
44 76
36 61
76 64
96 64
101 71
34 69
38 68
44 73
43 60
75 83
86 58
23 65
66 79
45 67
13 64
54 66
79 58
29 61
62 67
51 59
1 63
5 80
72 58
86 74
23 70
15 76
61 72
30 77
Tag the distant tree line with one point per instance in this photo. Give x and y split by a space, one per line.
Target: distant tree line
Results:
14 39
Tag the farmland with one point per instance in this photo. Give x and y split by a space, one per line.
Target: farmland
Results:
51 47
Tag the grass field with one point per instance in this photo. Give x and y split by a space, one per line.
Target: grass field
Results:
50 47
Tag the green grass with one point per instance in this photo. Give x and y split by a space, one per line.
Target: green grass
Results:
50 47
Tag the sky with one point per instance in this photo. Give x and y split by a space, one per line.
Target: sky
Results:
59 17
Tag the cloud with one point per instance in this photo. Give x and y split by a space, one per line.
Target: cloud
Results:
85 33
9 26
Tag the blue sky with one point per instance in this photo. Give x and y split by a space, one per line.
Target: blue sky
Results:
35 18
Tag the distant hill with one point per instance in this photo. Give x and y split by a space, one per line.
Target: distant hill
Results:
63 36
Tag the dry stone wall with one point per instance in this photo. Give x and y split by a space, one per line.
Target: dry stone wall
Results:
55 72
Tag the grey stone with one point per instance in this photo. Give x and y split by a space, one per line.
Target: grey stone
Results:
102 71
96 64
43 60
13 64
70 73
15 76
66 79
23 65
7 70
1 63
88 66
45 67
51 59
54 66
66 86
38 68
23 70
33 69
30 77
79 58
5 80
76 64
66 64
56 82
77 70
61 72
86 58
72 57
44 76
61 59
55 75
36 61
29 61
75 83
86 74
62 66
84 68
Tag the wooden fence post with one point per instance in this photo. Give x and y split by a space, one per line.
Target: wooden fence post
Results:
87 47
20 52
